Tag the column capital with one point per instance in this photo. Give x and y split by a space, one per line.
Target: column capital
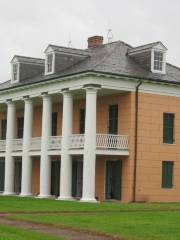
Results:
27 99
45 95
9 101
66 92
92 87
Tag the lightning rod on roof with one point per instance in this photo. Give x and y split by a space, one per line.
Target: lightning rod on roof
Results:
69 42
109 35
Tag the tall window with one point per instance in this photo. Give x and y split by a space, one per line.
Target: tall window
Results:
82 121
168 128
54 124
3 129
15 72
20 127
158 61
167 174
49 63
113 119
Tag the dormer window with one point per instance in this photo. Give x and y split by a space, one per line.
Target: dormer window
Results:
49 63
158 61
15 72
151 57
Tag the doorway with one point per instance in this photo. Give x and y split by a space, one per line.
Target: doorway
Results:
113 179
17 175
55 177
77 178
2 174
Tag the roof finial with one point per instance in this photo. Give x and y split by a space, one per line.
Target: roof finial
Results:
69 42
109 35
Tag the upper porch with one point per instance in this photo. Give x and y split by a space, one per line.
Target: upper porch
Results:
112 124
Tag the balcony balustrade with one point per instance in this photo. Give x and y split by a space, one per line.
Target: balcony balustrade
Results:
110 141
55 143
35 144
2 145
17 144
76 141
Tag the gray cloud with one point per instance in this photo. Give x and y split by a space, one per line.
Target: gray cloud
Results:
27 27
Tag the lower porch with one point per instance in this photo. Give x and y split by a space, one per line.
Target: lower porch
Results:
110 177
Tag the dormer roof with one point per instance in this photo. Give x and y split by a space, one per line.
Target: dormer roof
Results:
147 47
23 59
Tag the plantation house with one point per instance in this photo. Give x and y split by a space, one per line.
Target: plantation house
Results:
95 124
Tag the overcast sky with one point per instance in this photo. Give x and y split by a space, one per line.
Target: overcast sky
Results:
27 27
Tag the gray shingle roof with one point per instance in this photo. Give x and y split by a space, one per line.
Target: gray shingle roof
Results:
28 59
109 58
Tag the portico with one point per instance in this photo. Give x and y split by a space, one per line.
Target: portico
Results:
89 144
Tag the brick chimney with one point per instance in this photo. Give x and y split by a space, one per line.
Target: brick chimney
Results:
95 41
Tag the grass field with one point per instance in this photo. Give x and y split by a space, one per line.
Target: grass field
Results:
131 221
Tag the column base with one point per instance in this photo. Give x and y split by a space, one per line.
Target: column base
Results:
44 196
25 195
8 194
88 200
66 198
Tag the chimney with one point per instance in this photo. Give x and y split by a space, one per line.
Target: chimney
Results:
95 41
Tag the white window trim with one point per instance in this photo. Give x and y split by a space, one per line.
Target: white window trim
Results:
12 73
163 65
53 63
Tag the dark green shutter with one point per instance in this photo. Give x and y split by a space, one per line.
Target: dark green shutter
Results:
2 169
168 128
20 127
55 177
108 180
54 123
117 179
82 121
113 119
3 129
167 174
74 178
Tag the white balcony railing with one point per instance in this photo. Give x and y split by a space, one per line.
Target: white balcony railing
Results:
110 141
2 145
103 141
17 144
76 141
55 143
35 144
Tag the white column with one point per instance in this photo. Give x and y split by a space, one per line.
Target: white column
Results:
45 166
26 189
89 161
66 159
9 160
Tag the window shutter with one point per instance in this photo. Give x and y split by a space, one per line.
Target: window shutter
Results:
168 128
167 174
54 123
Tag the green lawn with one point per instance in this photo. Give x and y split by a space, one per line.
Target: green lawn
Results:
133 221
14 204
11 233
133 225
